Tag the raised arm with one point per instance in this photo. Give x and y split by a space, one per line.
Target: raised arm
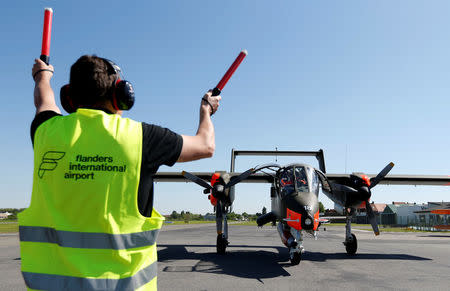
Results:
44 98
201 145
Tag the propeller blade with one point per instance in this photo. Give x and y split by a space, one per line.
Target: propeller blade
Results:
196 180
236 179
372 218
374 181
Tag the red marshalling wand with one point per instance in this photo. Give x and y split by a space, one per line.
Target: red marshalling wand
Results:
229 73
46 35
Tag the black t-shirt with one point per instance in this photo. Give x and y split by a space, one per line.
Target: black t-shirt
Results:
160 146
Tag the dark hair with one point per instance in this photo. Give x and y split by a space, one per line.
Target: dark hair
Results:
91 80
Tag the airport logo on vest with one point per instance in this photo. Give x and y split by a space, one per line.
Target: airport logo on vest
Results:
49 162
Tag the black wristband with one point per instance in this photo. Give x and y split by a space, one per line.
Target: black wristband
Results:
206 100
37 72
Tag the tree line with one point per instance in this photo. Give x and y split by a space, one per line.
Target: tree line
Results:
187 216
13 212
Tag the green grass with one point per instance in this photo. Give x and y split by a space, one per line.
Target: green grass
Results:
231 222
396 229
180 222
251 223
382 229
354 225
9 226
367 227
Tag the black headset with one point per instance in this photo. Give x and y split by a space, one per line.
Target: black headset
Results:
122 97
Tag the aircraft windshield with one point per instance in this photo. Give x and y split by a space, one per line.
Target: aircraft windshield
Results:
286 181
293 175
301 179
314 179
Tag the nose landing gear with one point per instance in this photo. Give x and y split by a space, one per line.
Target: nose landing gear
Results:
295 255
221 244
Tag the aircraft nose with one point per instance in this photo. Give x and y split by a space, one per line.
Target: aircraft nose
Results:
305 203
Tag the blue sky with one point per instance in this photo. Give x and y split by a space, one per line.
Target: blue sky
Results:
366 81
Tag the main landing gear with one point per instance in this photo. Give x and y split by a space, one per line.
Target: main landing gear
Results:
295 251
291 238
295 256
351 243
221 244
222 228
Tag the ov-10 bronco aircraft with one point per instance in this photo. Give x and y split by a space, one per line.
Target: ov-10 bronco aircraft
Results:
294 195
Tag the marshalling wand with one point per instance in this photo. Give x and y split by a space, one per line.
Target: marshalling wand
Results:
229 73
46 35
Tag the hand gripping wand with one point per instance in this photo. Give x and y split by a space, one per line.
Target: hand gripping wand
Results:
46 35
216 91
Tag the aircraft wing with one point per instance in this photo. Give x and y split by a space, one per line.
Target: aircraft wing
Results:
430 180
178 177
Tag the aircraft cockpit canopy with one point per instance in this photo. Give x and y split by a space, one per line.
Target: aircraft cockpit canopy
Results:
299 178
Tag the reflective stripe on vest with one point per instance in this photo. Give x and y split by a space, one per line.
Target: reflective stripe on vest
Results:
88 240
58 282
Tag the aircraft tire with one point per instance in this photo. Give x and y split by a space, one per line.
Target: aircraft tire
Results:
295 258
221 244
352 245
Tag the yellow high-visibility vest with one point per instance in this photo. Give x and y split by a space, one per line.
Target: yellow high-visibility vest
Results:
83 229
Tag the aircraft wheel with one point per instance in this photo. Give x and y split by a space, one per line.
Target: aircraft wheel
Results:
351 245
295 258
221 244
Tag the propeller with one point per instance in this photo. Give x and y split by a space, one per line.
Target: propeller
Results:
233 181
372 218
196 180
375 180
236 179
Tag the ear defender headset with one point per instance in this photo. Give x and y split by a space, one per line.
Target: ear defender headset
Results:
122 97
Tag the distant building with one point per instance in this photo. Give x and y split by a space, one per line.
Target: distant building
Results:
425 217
400 213
5 215
361 215
406 213
389 215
